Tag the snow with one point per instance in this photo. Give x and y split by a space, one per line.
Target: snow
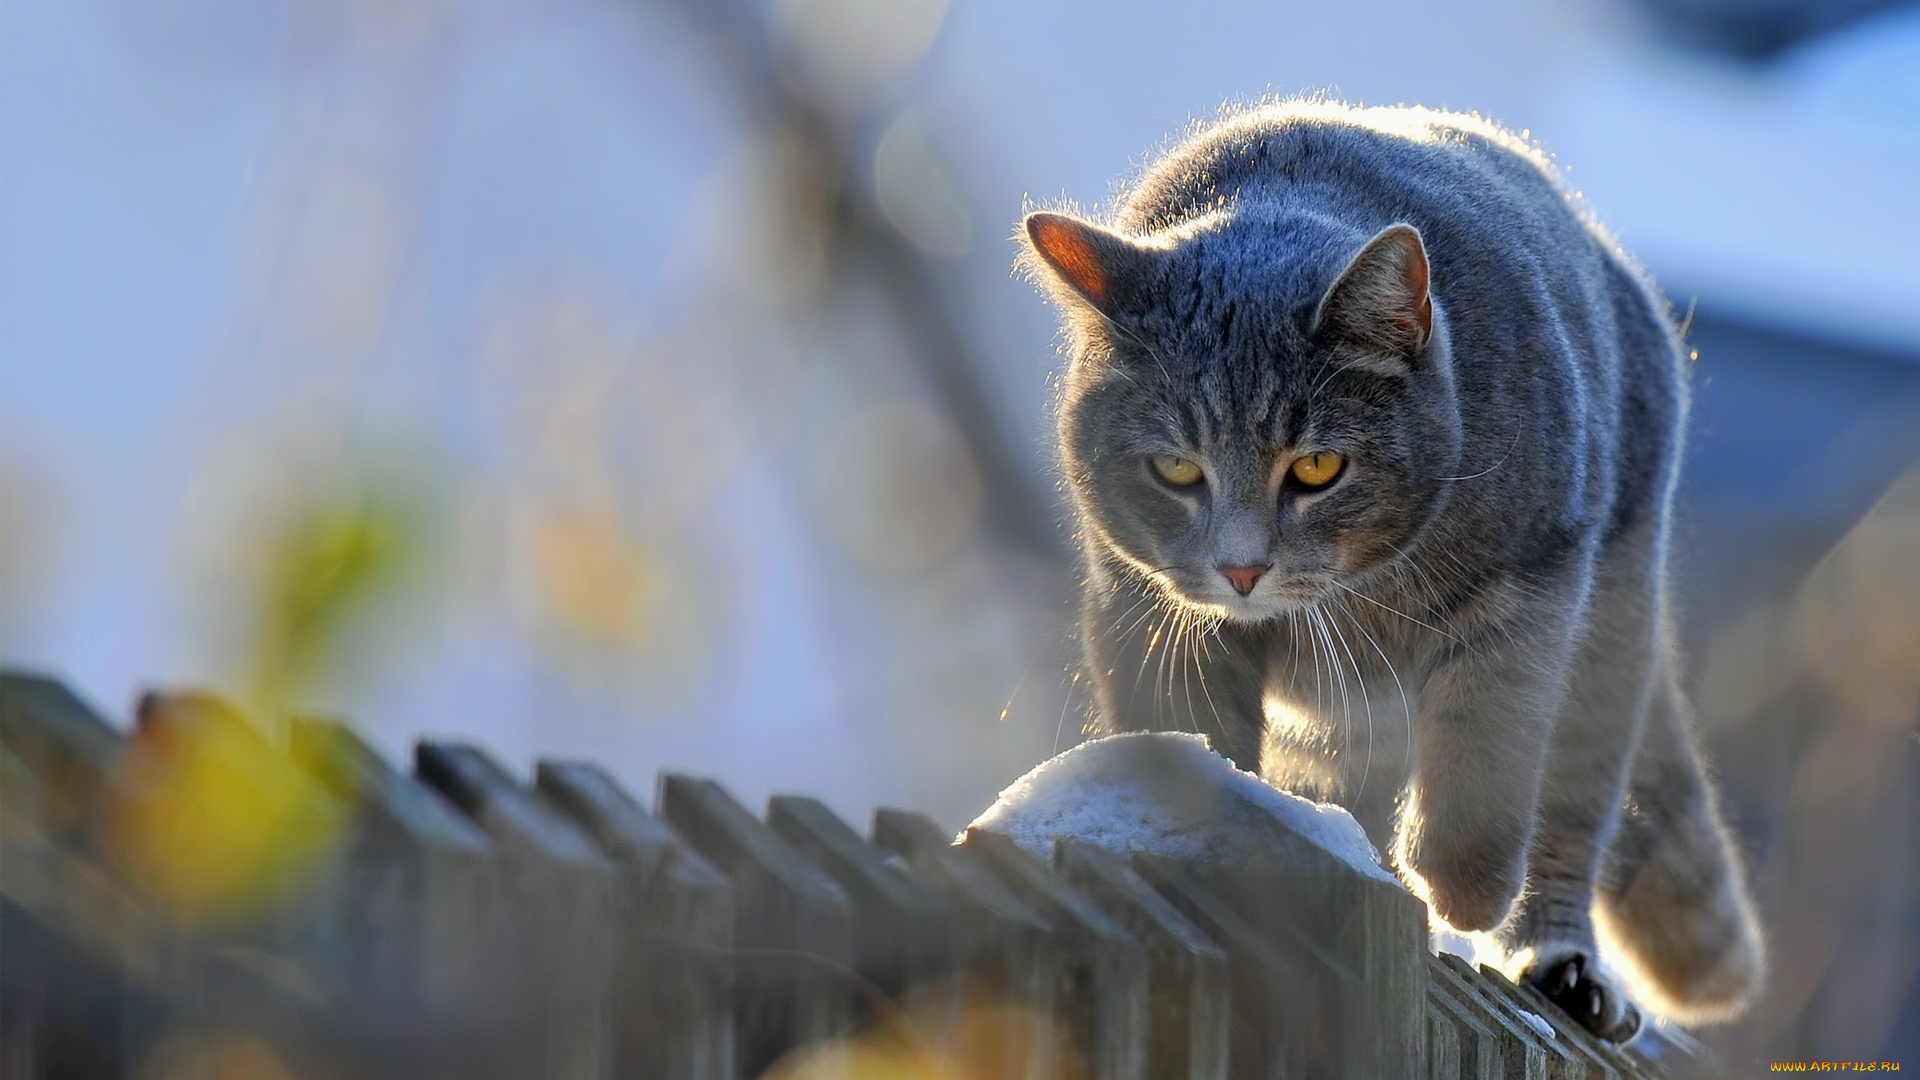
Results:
1539 1024
1475 949
1166 793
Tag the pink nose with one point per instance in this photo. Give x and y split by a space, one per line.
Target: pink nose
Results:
1243 577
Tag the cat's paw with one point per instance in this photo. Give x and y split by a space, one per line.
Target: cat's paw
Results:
1471 886
1586 993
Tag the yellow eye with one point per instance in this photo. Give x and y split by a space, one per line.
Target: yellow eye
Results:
1317 470
1177 471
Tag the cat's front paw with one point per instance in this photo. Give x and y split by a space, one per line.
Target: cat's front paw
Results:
1471 886
1588 995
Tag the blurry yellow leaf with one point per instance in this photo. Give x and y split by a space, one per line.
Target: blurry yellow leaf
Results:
212 823
331 556
861 1061
211 1055
984 1040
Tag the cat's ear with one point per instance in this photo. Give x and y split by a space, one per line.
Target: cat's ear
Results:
1380 303
1103 269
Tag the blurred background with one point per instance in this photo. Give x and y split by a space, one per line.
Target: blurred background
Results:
645 381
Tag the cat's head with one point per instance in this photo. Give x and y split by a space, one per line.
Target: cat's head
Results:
1256 412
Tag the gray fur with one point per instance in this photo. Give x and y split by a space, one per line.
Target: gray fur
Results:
1477 605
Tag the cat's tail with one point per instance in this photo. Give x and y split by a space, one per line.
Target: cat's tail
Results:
1673 901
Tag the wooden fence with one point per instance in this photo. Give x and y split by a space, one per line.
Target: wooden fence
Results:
191 898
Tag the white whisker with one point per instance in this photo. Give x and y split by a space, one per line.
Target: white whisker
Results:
1340 678
1366 701
1355 592
1514 442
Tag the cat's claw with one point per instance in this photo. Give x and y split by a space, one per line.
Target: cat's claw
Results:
1587 995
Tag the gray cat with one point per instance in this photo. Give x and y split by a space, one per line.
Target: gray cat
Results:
1371 436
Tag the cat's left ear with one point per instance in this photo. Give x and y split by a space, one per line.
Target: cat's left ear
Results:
1381 302
1102 269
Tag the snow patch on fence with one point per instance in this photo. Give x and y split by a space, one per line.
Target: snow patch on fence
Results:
1166 793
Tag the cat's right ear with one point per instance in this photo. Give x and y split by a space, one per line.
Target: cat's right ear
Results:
1381 303
1084 262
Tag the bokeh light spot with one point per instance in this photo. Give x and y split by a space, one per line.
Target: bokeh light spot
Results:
850 51
916 193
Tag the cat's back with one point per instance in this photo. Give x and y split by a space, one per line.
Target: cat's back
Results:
1501 226
1364 165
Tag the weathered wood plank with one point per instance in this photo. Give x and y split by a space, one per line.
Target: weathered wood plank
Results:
1012 965
793 925
1189 1000
65 913
1103 999
1479 1044
1443 1045
557 891
26 895
674 986
425 983
1372 932
1277 1020
68 748
907 933
991 913
1526 1054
